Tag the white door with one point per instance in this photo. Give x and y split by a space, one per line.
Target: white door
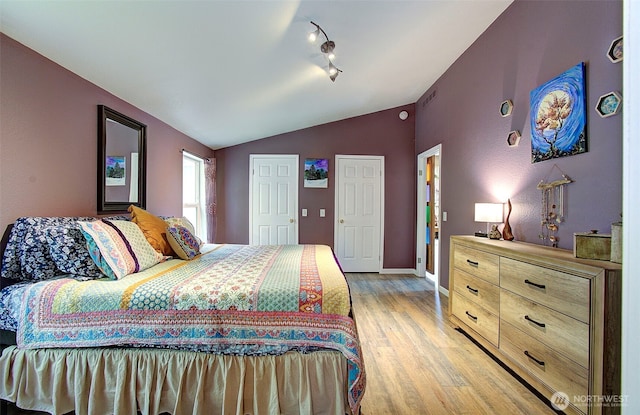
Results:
359 205
273 197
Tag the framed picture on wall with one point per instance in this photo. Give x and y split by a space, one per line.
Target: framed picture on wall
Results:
559 116
316 173
116 174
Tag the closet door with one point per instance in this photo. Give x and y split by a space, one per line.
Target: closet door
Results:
273 199
359 204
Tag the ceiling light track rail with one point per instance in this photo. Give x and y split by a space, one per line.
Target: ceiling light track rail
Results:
327 49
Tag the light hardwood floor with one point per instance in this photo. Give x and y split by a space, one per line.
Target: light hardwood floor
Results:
418 363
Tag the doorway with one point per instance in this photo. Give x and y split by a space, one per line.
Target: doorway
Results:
273 198
429 218
359 204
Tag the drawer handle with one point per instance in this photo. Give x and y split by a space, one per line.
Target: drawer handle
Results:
540 362
541 286
534 322
473 290
472 263
471 316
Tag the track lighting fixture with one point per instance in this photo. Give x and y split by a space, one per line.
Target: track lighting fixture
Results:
327 48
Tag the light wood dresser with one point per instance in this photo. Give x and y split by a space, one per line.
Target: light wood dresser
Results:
551 318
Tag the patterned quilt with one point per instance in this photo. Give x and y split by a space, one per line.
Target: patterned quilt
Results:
265 297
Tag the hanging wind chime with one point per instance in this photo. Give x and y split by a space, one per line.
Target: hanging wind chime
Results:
553 208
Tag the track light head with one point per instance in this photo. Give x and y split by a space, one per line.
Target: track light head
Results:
314 35
333 71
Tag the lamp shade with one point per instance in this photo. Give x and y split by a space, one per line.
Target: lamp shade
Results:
488 212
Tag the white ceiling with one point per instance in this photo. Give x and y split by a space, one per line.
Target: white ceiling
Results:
227 72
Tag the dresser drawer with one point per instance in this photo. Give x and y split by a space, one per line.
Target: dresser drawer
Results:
555 370
477 318
558 331
477 290
560 291
478 263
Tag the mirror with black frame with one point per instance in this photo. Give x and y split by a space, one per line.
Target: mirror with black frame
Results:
121 161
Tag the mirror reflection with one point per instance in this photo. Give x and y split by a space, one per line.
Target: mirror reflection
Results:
121 156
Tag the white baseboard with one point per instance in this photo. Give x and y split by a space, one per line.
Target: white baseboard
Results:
443 291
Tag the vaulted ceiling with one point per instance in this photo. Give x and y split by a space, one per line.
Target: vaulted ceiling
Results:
227 72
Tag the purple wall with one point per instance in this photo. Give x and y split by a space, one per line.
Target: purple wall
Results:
529 44
48 141
380 134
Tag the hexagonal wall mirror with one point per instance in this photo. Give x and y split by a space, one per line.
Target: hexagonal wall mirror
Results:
609 104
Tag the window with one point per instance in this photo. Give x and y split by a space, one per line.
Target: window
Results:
193 193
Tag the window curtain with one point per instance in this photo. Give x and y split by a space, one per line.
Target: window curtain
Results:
211 198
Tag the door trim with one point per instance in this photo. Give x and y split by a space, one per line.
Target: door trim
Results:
420 219
295 157
337 199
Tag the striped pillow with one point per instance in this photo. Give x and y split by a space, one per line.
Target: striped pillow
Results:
122 245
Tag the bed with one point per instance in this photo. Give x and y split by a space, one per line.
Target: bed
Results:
104 326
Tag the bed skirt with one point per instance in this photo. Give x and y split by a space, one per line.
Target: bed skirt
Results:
154 381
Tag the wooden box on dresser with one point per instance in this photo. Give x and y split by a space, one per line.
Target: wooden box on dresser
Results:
550 317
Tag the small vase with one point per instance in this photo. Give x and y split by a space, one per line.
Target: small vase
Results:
507 235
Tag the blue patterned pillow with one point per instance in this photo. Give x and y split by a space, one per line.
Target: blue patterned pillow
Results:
10 298
183 242
27 256
68 248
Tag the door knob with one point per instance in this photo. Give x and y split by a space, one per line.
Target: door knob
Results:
341 220
291 221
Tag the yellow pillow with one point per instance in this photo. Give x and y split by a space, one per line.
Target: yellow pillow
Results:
153 228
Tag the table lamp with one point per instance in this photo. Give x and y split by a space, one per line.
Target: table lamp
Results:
490 213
